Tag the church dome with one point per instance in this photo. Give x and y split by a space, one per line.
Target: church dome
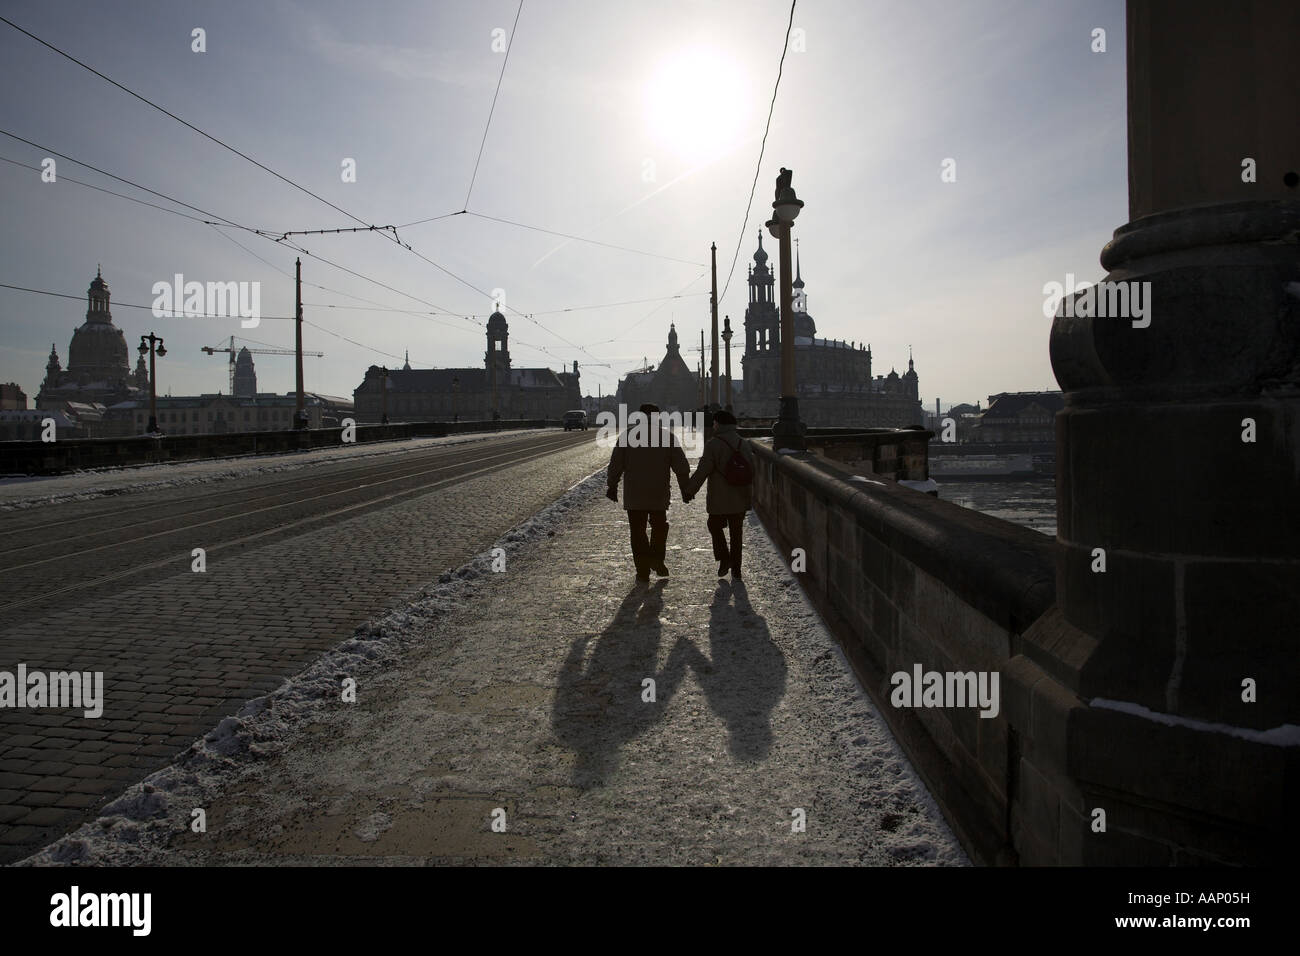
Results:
761 255
98 351
496 322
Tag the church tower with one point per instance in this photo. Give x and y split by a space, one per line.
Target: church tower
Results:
804 326
53 370
245 375
911 383
497 332
759 364
762 321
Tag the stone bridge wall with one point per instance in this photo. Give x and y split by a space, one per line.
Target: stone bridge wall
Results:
904 579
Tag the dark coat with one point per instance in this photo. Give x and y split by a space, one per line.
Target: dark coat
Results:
645 472
723 498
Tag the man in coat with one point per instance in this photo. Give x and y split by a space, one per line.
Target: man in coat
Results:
725 502
643 457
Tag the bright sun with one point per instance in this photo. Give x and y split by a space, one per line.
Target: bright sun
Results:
695 104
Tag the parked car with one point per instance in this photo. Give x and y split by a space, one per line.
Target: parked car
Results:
575 419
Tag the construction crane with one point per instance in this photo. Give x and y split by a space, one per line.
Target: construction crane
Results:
213 349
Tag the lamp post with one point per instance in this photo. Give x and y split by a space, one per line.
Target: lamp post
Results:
148 343
713 309
726 339
788 431
300 419
455 389
383 420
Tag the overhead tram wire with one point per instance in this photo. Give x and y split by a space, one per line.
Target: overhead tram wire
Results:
216 222
216 228
762 147
372 305
553 232
129 305
285 179
189 125
446 215
78 182
653 311
222 220
575 308
487 126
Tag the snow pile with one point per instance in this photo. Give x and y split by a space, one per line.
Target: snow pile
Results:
149 814
1284 735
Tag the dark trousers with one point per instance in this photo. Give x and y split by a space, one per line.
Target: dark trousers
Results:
648 552
720 550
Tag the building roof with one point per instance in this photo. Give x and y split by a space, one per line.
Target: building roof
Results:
1008 404
434 380
34 415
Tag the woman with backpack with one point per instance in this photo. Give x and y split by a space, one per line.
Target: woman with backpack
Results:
728 464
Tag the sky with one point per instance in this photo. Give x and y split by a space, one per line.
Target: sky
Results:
623 124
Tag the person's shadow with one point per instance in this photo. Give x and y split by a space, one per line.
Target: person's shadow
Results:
599 704
743 676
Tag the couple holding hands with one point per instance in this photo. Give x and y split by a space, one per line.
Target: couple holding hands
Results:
727 463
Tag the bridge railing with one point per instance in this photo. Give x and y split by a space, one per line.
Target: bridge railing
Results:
904 579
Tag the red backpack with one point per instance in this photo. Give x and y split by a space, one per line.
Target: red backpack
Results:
737 471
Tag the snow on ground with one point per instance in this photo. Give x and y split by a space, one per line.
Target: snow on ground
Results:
679 775
17 492
151 812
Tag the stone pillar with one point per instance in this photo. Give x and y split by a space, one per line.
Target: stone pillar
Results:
1200 529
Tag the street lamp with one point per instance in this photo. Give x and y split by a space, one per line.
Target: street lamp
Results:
147 346
726 339
789 431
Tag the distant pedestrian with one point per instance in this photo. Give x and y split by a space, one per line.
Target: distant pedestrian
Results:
728 465
645 458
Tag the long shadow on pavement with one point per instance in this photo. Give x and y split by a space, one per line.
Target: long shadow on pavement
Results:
744 675
599 706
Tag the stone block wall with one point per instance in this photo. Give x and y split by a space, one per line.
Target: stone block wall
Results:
904 579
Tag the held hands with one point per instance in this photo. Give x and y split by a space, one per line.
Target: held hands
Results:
611 493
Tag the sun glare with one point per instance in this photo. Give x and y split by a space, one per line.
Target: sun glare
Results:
695 104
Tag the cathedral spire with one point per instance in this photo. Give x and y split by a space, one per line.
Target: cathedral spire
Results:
798 273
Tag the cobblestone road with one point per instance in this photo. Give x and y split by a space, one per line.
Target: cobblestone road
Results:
179 649
524 698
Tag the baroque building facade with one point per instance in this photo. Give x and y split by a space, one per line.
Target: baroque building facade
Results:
98 371
833 378
99 396
672 386
469 394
